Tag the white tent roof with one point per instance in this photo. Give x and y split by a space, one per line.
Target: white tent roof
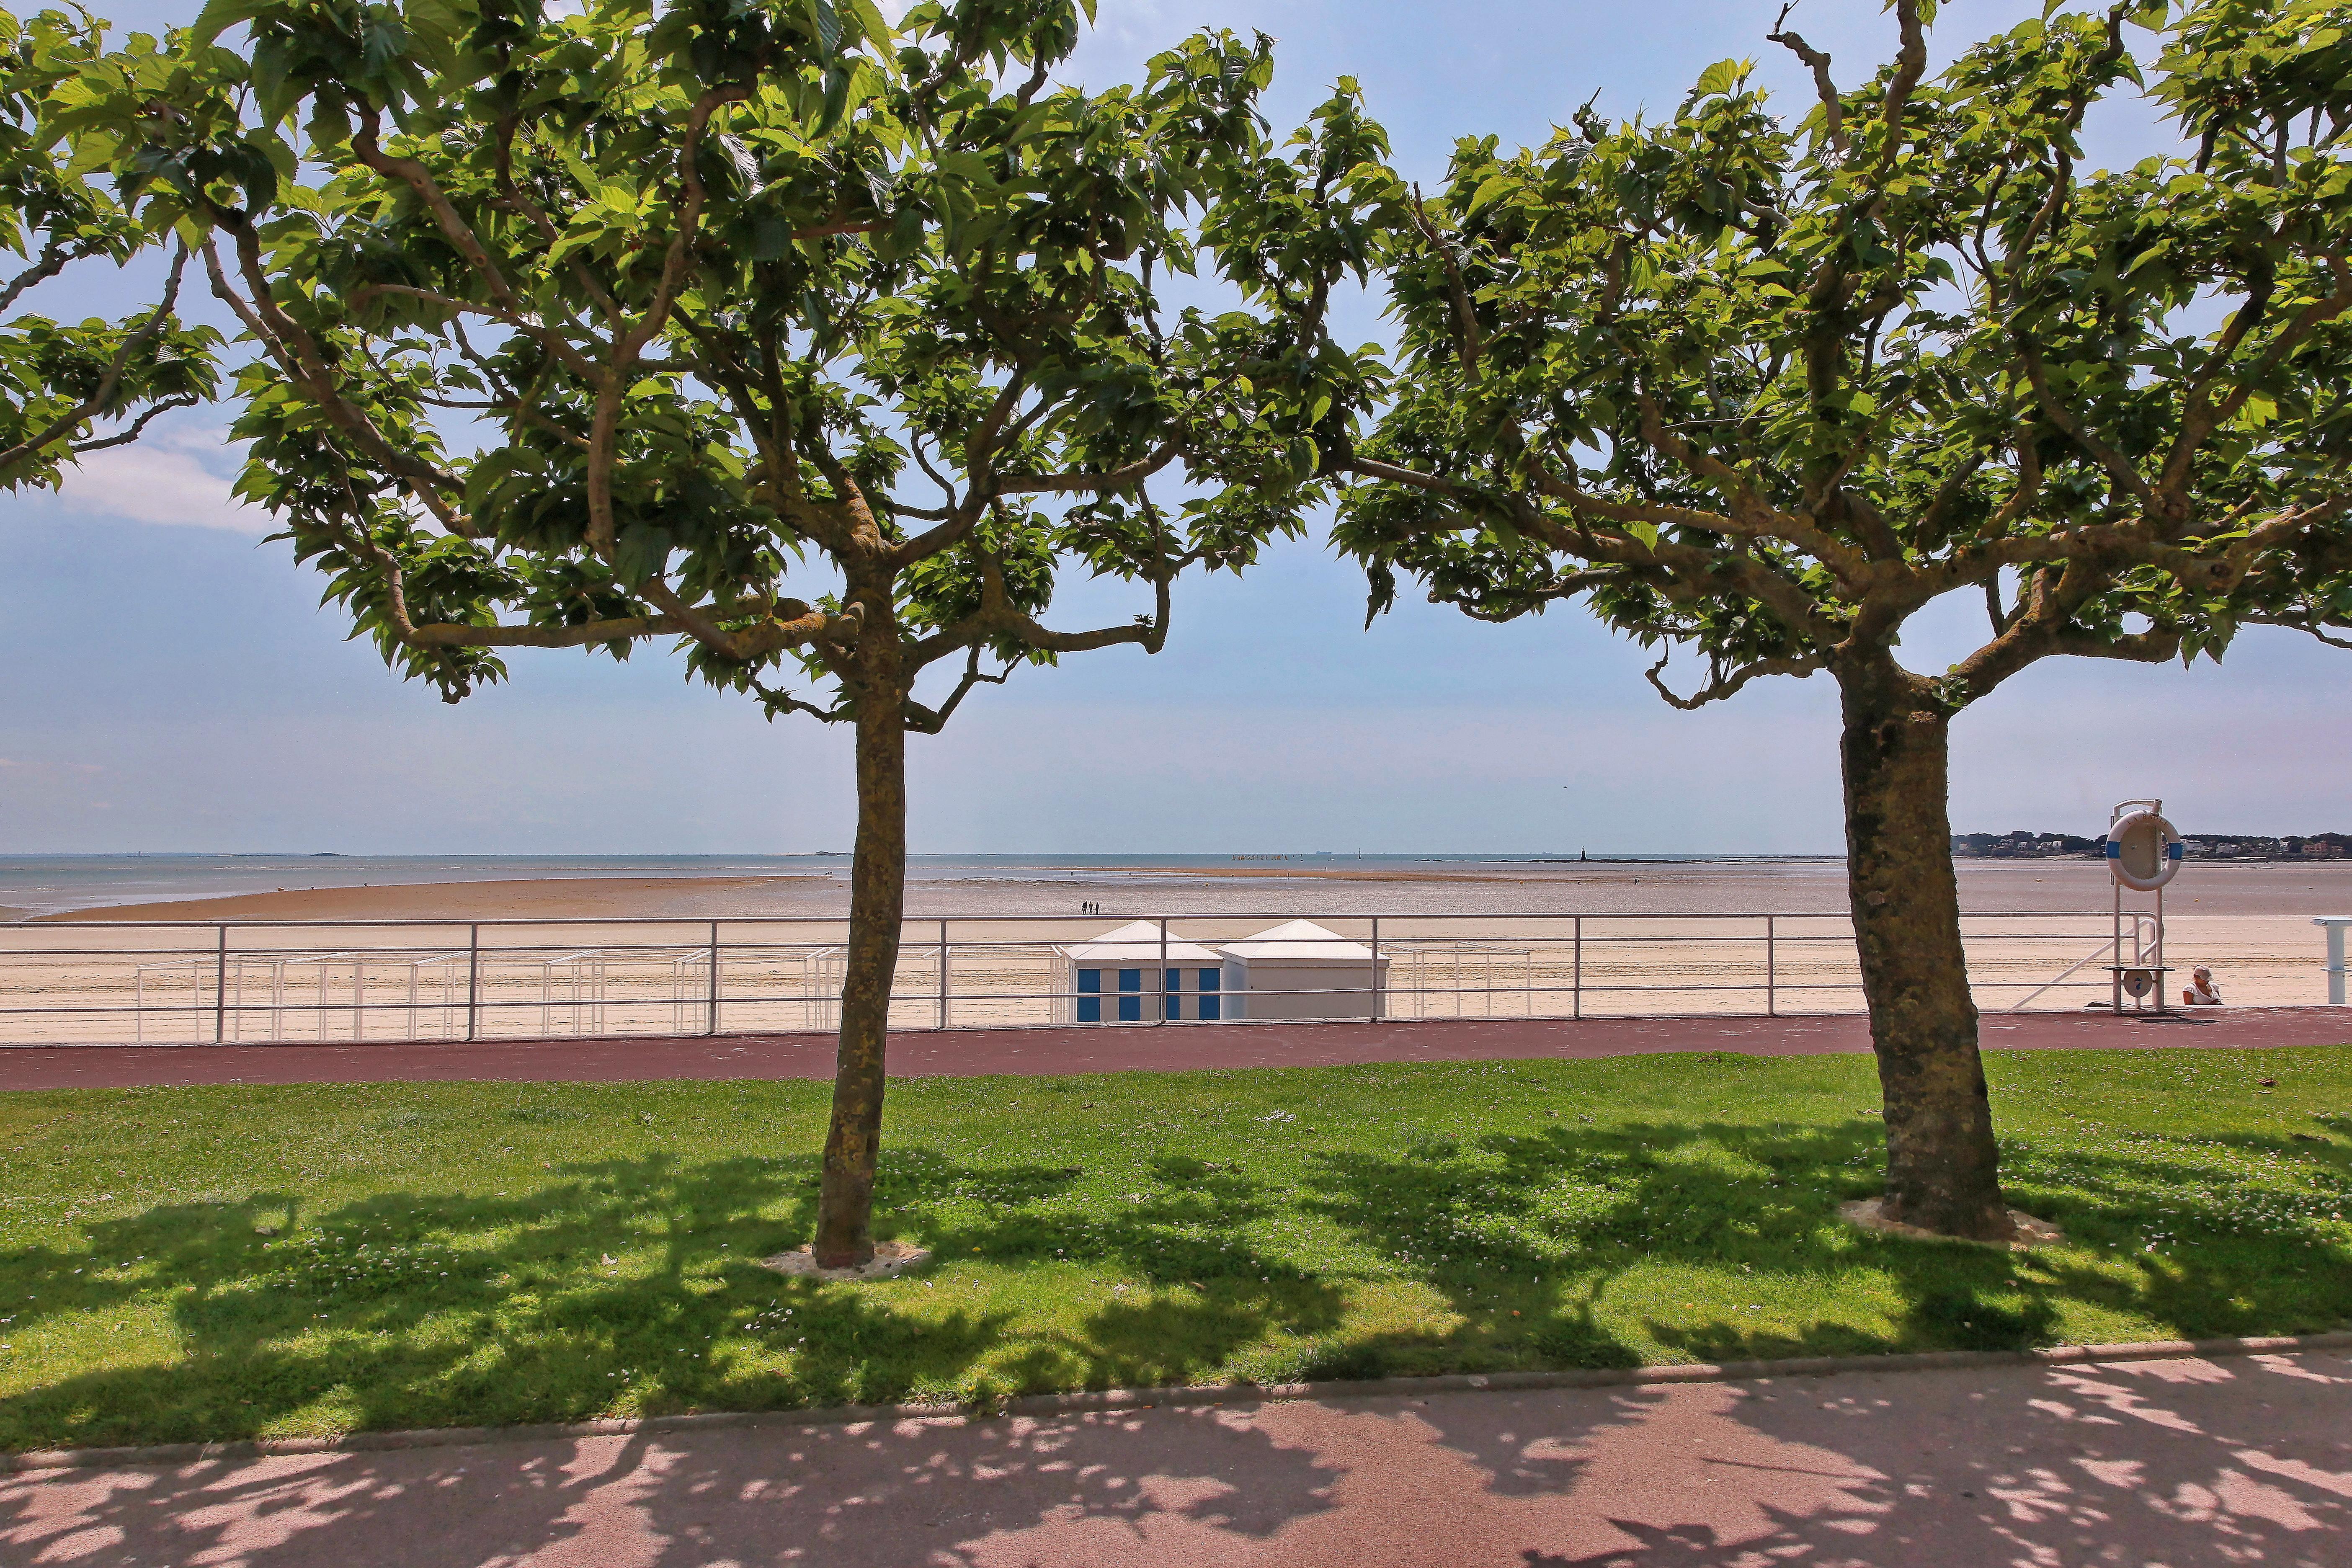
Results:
1138 942
1298 939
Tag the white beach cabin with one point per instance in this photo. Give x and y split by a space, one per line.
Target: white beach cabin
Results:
1125 976
1299 970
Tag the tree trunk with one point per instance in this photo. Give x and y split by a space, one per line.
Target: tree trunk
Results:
1943 1169
877 900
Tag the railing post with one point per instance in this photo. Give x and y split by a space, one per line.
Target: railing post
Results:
2334 925
1576 980
220 987
1372 1007
1169 1000
712 1025
473 979
1771 976
943 974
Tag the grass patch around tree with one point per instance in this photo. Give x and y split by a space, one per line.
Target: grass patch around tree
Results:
238 1261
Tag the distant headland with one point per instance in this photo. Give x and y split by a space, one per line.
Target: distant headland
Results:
2024 846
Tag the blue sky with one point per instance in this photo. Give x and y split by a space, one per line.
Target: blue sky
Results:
173 686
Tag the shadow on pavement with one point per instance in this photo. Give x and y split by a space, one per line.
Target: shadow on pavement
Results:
2191 1464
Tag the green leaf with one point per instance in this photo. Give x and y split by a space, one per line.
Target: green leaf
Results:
219 15
1492 186
1721 78
826 23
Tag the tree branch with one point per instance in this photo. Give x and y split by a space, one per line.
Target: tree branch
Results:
124 438
931 721
1833 109
53 256
1724 682
1468 343
1910 65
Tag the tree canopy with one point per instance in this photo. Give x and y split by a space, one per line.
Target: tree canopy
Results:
63 383
598 324
1764 390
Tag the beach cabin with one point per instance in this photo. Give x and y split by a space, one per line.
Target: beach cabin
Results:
1299 970
1127 976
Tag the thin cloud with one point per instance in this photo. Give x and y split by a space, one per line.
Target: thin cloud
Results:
174 477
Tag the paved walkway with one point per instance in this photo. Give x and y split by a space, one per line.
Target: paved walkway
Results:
2184 1463
1046 1051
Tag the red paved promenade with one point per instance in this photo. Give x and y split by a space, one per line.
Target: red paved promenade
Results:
1051 1051
2241 1462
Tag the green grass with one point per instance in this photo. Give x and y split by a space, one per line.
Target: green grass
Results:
209 1263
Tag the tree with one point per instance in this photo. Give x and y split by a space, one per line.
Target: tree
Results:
59 383
1763 392
607 327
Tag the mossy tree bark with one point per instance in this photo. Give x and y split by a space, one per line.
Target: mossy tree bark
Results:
1943 1166
877 900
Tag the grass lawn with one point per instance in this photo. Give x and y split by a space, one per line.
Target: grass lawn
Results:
207 1263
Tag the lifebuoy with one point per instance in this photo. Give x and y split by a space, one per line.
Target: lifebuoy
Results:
2143 851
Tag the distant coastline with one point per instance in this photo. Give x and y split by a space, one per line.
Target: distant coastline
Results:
2252 847
35 885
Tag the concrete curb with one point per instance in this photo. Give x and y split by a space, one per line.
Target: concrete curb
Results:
1047 1404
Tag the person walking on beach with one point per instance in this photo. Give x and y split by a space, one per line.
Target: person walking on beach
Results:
2199 991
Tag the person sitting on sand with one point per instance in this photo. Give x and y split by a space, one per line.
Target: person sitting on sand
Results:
2200 992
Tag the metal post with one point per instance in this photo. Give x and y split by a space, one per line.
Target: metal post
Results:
1168 999
943 974
220 988
2116 959
1771 974
2334 925
713 1024
473 979
1372 1007
1576 982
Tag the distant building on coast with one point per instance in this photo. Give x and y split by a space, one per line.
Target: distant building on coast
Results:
2022 844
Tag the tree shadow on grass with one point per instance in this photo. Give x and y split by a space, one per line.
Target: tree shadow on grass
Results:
633 1283
1537 1241
1202 1290
618 1282
415 1309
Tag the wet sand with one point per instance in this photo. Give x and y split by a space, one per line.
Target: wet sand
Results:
550 898
1728 888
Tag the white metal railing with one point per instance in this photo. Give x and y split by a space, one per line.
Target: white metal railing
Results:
2144 936
340 981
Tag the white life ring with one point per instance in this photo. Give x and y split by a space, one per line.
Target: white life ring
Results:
2143 851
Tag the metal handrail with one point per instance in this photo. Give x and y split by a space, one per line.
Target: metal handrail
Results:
720 961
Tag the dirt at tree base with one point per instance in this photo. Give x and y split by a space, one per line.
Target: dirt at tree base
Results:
2030 1232
891 1258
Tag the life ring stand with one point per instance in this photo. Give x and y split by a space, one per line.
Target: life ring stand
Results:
2143 851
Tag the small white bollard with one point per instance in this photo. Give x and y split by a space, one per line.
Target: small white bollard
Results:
2335 924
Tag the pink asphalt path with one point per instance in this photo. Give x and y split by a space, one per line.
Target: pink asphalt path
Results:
2187 1463
1048 1051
